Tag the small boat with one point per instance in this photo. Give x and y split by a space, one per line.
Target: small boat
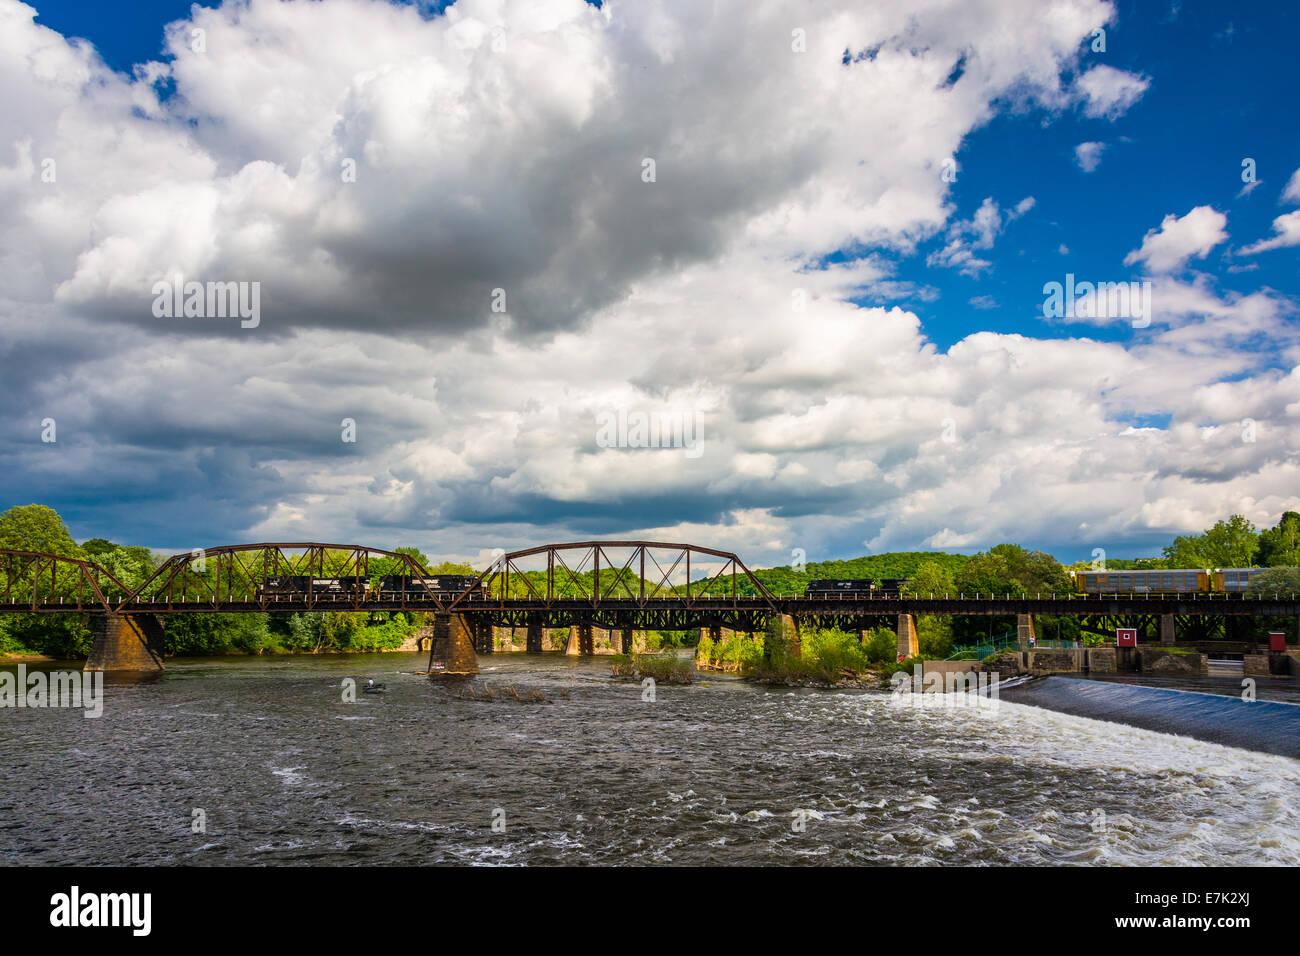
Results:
373 688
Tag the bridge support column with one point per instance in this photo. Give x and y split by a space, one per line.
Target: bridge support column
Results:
126 642
452 645
484 636
625 640
1024 628
907 644
1167 629
600 636
580 641
533 642
782 637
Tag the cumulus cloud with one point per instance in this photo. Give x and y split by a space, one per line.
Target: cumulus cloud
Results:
1292 191
977 233
1168 248
1287 227
1108 93
1088 155
503 146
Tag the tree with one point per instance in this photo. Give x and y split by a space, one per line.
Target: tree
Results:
1010 569
130 565
931 578
1279 546
1275 581
37 528
1229 544
452 567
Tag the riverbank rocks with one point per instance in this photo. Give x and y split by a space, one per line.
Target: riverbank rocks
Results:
1167 662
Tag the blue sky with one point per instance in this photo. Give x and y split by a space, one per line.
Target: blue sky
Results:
848 430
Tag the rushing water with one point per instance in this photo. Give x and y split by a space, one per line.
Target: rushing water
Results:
719 772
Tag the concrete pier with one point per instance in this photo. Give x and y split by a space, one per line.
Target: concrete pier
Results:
782 637
452 646
126 642
1024 628
533 642
580 641
907 643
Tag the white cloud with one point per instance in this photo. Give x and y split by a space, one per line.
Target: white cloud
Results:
521 169
1292 191
1108 93
977 233
1088 155
1177 240
1287 227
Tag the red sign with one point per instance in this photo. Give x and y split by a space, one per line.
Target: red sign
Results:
1126 637
1277 640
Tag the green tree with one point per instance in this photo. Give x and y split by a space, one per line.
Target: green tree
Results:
37 528
1009 569
1229 544
1275 581
1279 546
130 565
931 578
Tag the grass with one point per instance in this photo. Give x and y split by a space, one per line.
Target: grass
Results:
663 668
487 693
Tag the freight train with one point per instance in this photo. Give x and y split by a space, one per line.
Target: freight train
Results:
849 588
1171 581
390 586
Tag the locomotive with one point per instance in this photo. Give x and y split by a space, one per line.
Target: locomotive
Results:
391 586
301 584
849 588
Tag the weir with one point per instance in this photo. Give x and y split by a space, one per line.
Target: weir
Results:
1264 725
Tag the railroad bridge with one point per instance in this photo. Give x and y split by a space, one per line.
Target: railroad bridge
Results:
590 587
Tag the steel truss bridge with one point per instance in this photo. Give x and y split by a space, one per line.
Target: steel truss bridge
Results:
608 584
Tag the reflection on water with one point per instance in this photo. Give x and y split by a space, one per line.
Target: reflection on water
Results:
721 772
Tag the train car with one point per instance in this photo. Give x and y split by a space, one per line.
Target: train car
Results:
286 584
301 584
891 586
1170 581
839 587
1235 580
441 585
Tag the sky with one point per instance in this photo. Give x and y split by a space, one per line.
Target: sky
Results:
831 244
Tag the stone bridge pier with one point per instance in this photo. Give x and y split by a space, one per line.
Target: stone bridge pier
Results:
126 642
907 643
782 637
452 646
581 641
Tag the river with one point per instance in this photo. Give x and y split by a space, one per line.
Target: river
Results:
282 771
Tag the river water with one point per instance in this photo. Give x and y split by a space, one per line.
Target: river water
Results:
285 772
